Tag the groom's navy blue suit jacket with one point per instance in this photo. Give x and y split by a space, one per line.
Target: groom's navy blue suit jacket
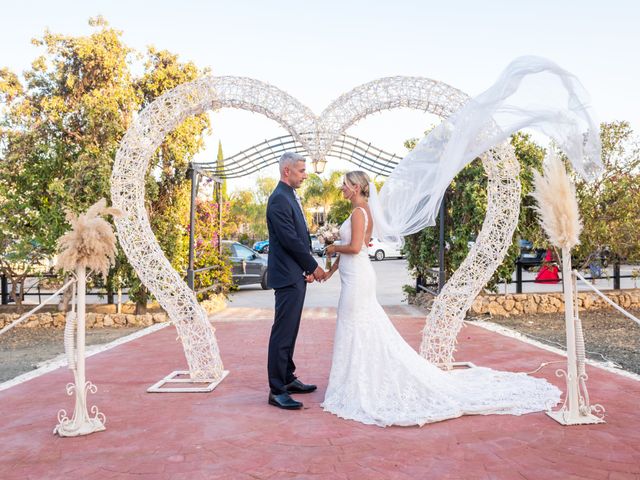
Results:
289 242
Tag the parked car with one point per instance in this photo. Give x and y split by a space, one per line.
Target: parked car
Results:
261 246
530 256
248 266
381 250
323 252
525 245
598 259
316 246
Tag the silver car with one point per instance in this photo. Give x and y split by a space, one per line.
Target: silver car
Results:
316 246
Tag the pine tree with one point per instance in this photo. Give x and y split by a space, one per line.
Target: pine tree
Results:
220 169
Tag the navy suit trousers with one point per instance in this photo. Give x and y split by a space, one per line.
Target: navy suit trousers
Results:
280 366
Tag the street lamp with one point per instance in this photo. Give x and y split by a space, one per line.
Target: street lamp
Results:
318 165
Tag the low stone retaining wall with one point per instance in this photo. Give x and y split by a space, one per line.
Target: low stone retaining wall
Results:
101 320
532 303
94 320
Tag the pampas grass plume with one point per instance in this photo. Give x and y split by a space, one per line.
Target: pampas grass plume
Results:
91 241
557 204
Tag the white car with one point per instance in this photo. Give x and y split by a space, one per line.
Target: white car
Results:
381 250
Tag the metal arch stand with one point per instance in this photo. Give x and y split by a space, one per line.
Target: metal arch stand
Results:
195 171
181 377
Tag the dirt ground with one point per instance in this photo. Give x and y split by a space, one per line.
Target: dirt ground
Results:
608 334
22 349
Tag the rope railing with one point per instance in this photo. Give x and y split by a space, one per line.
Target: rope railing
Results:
34 310
607 299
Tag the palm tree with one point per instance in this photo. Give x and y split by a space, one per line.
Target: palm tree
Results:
323 192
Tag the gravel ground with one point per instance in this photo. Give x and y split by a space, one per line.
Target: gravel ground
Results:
22 349
608 334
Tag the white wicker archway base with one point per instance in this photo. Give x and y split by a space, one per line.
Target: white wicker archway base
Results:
316 133
450 307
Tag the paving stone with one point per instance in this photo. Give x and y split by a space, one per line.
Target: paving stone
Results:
233 433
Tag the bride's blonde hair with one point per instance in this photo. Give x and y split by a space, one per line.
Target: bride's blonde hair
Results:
360 178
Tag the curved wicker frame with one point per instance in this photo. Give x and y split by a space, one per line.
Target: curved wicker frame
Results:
317 135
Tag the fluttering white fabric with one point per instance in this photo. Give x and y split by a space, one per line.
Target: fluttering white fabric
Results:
382 229
377 378
532 93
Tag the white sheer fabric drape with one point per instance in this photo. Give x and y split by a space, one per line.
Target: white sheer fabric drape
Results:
532 93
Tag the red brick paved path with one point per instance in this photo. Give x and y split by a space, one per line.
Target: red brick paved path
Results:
233 433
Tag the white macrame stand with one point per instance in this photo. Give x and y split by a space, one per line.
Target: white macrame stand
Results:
576 409
81 423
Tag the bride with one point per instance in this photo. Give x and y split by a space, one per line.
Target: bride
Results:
376 377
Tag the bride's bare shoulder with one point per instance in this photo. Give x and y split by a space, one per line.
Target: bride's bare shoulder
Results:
362 211
358 212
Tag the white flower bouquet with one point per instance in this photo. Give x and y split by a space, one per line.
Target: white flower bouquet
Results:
327 234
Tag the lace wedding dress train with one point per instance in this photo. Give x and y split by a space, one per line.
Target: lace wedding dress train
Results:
377 378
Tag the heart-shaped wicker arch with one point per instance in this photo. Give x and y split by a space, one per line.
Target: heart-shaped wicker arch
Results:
316 133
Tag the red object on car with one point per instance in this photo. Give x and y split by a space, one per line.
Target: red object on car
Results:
548 273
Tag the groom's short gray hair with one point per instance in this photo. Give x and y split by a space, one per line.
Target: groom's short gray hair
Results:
289 158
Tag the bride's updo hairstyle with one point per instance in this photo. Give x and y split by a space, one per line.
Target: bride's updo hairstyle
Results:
360 178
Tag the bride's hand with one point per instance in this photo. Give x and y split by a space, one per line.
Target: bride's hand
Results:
330 250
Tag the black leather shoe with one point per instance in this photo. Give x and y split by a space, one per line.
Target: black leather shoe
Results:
298 387
283 400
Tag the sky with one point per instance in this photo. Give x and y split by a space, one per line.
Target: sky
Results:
317 51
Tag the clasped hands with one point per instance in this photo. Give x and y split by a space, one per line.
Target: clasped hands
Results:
319 275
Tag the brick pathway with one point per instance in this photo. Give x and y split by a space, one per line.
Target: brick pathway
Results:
233 433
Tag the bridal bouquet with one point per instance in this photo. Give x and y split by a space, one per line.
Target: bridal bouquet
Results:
328 234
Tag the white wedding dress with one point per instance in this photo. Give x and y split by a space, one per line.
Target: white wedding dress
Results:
377 378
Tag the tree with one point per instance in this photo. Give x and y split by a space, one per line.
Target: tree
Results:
339 211
240 202
19 257
60 131
264 187
220 168
466 204
609 205
248 211
208 234
323 192
63 127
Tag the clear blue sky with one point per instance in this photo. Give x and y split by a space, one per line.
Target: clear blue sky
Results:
319 50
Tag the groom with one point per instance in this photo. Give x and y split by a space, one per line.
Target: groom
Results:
291 266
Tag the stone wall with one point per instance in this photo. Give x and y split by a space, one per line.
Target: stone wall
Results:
532 303
101 320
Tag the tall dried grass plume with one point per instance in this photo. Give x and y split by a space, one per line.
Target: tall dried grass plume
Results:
91 241
557 203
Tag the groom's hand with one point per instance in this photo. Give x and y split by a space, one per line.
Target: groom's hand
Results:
309 278
319 274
